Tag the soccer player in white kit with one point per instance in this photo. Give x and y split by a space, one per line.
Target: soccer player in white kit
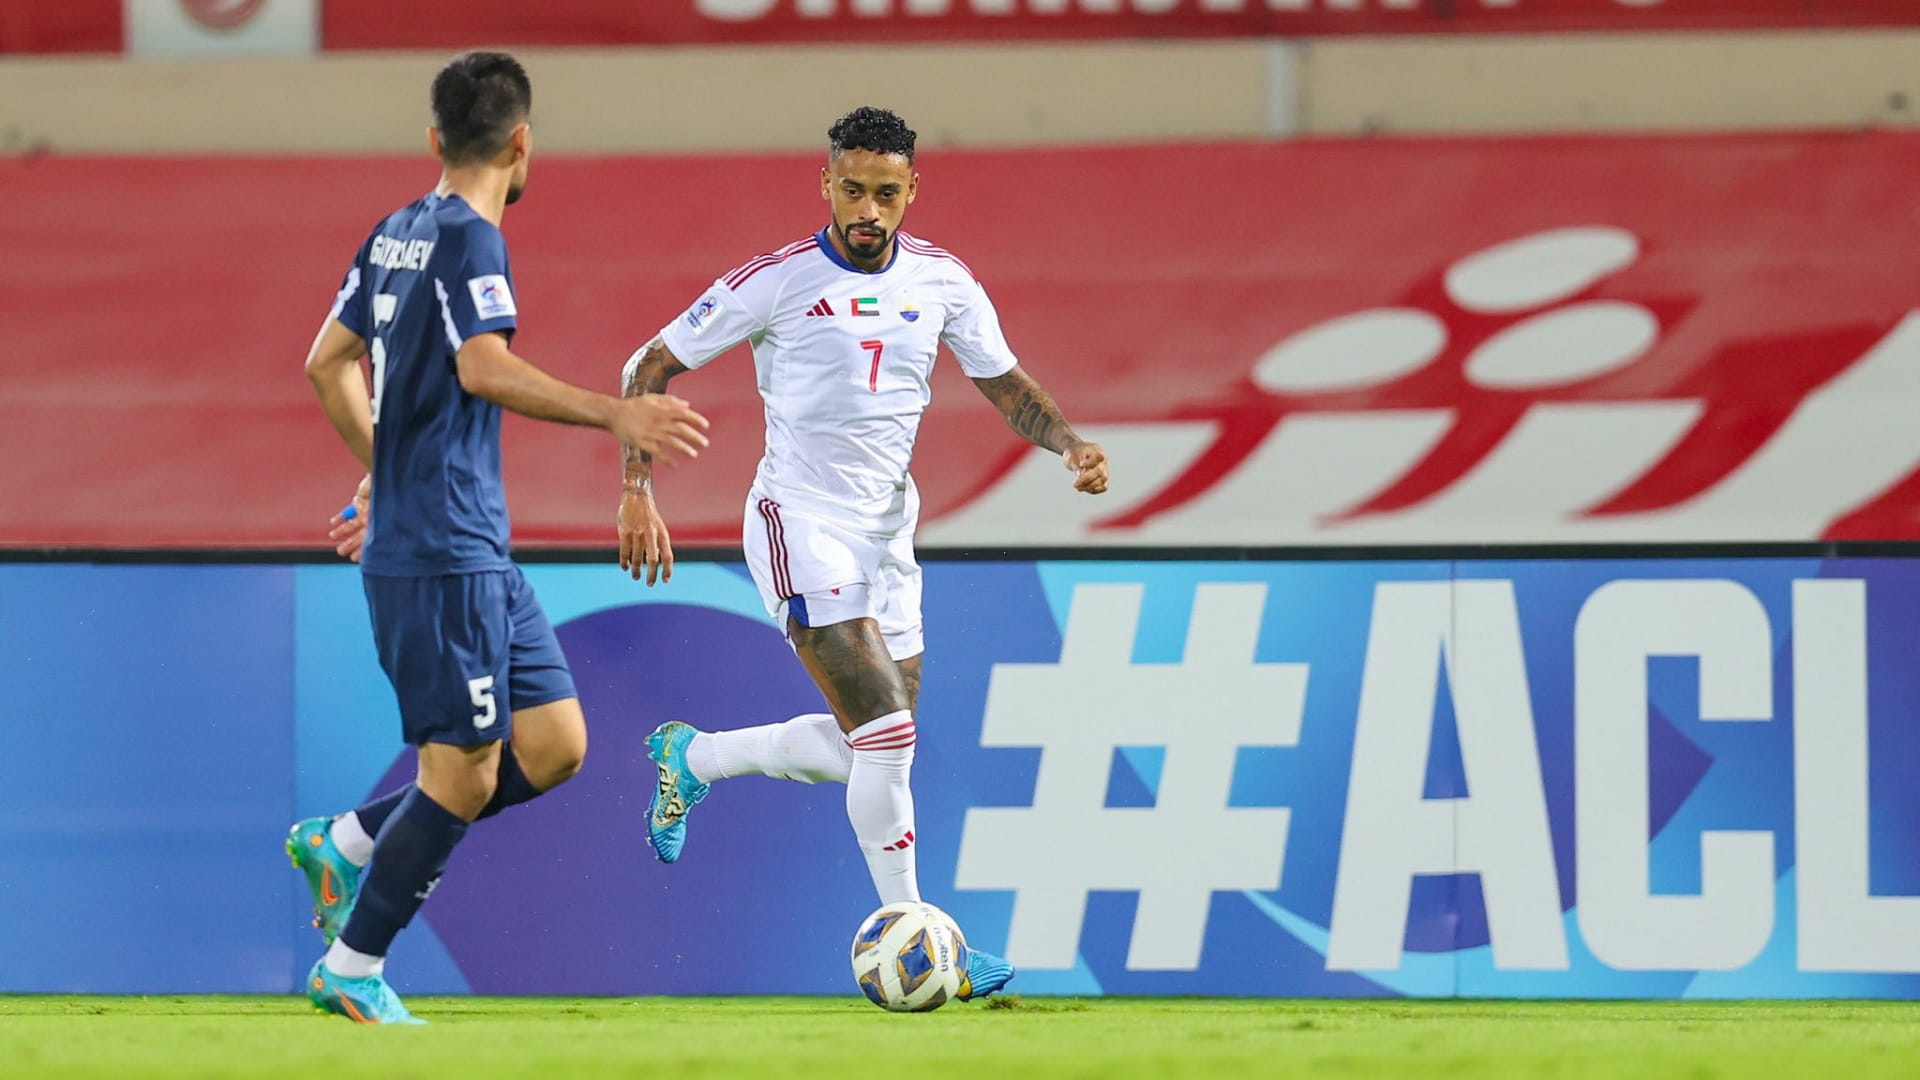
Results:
845 325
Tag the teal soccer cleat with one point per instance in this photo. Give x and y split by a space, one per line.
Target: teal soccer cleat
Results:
367 1000
678 790
986 974
334 881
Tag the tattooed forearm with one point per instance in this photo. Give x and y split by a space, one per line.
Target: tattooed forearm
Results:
647 372
1029 410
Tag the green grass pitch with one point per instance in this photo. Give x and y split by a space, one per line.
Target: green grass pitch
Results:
767 1038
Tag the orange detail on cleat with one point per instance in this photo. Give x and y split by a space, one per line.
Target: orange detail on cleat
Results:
327 894
318 982
347 1004
316 839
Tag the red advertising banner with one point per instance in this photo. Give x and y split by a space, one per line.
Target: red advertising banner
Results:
369 24
1362 342
61 26
95 25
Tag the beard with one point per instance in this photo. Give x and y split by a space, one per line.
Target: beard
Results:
515 190
867 249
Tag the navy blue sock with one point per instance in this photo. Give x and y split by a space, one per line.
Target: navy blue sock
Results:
511 787
408 858
373 816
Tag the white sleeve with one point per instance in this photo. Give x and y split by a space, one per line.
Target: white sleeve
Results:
973 333
719 320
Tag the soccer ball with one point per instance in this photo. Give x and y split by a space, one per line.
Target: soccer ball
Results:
909 957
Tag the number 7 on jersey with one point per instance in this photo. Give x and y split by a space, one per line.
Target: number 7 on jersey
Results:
384 306
873 378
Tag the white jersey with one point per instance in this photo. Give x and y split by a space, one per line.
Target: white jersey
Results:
844 362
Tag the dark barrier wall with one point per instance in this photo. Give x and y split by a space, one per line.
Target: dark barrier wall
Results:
1657 778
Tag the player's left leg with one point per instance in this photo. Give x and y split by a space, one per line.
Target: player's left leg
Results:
549 740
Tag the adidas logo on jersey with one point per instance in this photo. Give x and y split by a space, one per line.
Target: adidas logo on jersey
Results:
821 308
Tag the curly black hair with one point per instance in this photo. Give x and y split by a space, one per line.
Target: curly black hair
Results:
478 99
868 128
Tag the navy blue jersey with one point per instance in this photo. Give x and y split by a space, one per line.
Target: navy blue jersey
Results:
431 276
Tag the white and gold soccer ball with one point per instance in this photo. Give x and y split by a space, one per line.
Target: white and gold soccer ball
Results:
909 957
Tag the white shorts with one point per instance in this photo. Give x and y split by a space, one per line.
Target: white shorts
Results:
818 573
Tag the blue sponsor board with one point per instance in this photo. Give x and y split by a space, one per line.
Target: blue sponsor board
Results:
1647 778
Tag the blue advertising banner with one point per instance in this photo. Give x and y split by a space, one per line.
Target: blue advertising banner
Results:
1640 778
148 750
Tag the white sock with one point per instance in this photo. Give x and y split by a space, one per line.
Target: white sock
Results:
700 758
351 838
349 964
880 804
807 748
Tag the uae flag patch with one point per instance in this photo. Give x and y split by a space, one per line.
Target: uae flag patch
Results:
866 305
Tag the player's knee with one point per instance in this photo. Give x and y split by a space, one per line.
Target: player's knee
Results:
562 767
556 760
462 794
461 779
482 791
871 697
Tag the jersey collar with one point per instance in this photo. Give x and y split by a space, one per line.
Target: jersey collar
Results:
833 253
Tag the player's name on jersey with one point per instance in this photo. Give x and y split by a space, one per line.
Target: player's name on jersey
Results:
400 254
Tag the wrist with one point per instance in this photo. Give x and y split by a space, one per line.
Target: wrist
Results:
603 411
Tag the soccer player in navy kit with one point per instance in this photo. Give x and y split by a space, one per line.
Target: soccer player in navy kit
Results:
484 690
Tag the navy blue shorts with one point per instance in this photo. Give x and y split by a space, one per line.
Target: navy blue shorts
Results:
463 652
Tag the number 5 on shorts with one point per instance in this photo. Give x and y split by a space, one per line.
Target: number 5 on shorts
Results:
481 691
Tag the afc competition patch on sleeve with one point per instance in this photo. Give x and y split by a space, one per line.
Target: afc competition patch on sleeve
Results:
492 299
701 312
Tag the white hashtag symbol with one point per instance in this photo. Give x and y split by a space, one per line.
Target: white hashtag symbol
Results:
1186 846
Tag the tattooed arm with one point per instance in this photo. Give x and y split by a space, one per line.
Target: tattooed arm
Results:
644 543
1031 412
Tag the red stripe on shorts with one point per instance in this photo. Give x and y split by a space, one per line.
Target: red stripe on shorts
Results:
777 549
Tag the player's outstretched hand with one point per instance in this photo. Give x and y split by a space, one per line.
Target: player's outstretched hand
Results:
662 425
1088 462
644 544
349 526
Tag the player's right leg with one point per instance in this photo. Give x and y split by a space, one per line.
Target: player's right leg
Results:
810 747
445 643
810 572
454 784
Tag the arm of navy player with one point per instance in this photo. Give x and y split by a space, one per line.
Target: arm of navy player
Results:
1030 411
644 542
333 366
659 423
